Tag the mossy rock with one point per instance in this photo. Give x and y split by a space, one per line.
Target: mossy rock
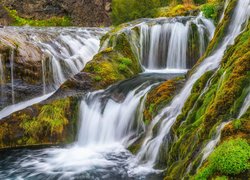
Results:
51 123
215 98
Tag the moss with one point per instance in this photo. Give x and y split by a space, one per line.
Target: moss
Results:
159 97
178 10
97 78
115 64
230 158
206 108
221 178
50 123
53 21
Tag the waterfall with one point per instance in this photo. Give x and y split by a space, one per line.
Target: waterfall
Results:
224 10
111 123
165 44
209 148
12 76
44 75
2 76
245 106
65 51
150 148
68 49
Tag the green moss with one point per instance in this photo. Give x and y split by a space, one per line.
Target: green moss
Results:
97 78
113 64
53 21
221 178
237 124
176 10
209 11
125 61
206 108
51 119
122 67
159 97
230 158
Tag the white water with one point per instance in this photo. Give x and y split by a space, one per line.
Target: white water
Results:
165 45
224 10
147 155
67 51
113 123
2 76
22 105
209 148
108 127
12 76
245 106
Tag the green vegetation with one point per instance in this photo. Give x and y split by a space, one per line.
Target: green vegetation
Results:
160 96
50 123
206 108
127 10
113 64
211 10
230 158
54 21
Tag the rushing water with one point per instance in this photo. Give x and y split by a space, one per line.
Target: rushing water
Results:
166 44
147 155
65 51
245 106
110 122
2 76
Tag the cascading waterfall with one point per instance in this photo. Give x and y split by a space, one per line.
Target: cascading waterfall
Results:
68 49
150 148
65 53
107 125
2 76
44 75
12 76
110 121
165 44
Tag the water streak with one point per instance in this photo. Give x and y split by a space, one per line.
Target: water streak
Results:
2 76
150 148
12 76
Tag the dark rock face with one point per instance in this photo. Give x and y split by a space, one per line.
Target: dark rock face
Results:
82 12
5 19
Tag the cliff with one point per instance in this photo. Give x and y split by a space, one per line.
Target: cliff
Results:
80 12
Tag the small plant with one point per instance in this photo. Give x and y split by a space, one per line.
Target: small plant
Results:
97 78
209 11
237 124
122 67
126 61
